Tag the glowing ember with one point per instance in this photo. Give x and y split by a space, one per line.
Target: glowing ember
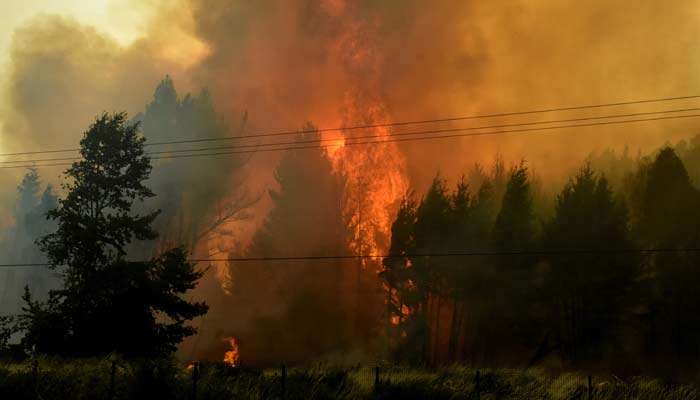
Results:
231 356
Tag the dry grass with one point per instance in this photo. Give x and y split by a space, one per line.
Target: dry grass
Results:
165 379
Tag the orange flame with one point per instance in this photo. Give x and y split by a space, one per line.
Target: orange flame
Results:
231 356
375 175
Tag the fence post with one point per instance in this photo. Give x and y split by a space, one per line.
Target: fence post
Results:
284 378
195 377
376 378
35 377
590 388
112 372
477 388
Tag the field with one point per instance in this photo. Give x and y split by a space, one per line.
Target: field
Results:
93 379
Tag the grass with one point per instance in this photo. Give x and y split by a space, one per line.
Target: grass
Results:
166 379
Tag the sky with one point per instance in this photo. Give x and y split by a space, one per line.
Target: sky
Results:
119 19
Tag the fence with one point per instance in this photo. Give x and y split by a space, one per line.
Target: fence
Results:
114 380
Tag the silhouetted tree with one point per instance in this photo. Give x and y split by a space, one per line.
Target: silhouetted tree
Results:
197 203
432 233
586 292
311 295
514 228
507 322
108 303
396 275
669 217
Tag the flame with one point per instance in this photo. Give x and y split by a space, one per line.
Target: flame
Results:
375 174
231 356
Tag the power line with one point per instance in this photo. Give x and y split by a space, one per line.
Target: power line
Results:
368 126
296 142
392 139
544 252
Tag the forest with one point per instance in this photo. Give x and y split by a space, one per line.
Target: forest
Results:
606 278
497 269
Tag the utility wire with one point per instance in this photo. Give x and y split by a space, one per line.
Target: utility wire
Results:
392 138
417 255
320 140
402 123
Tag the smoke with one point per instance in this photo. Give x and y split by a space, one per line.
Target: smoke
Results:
337 63
300 59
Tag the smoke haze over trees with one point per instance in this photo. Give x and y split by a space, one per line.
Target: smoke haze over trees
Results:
107 303
604 303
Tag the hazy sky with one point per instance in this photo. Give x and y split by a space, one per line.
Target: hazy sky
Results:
118 18
121 20
334 61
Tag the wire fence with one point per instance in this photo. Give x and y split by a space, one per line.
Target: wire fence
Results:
114 379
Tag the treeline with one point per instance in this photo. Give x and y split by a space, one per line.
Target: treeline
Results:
33 200
573 286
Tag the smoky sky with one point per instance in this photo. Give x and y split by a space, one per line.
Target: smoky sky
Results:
288 62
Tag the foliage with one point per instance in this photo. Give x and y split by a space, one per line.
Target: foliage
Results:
19 246
576 285
586 292
108 303
309 295
196 202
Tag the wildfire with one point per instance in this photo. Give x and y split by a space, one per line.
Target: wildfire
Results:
231 356
375 176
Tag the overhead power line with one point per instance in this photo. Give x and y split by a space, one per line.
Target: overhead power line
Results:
387 138
392 124
320 140
545 252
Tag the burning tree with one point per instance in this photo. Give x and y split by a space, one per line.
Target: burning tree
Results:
107 303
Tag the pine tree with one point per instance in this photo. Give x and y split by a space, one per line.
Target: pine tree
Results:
107 303
589 289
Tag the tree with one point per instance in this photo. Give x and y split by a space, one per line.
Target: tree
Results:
514 228
589 290
108 303
669 217
397 274
432 233
30 222
306 301
510 286
197 203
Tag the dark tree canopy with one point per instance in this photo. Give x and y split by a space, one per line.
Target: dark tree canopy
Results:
307 295
586 292
95 222
514 228
108 303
